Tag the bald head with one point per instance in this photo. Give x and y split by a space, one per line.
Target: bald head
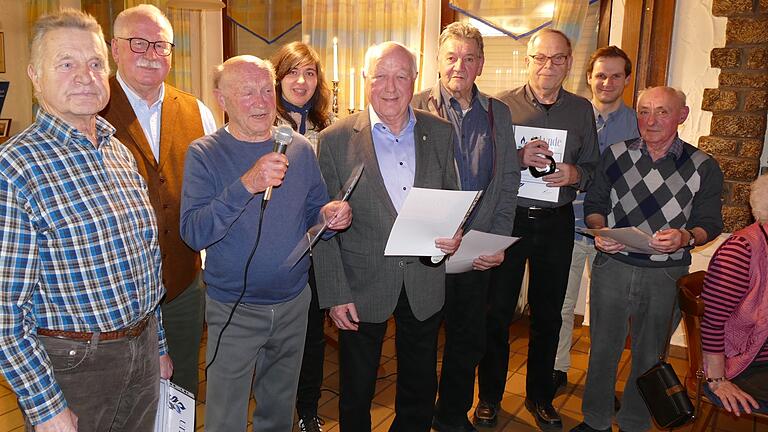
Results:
244 87
660 110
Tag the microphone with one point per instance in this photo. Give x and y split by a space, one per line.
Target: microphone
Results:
283 137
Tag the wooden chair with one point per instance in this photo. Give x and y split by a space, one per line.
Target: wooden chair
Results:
689 297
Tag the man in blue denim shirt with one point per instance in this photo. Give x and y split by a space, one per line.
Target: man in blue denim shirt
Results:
608 74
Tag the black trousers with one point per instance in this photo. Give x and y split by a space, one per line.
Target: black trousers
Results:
464 312
546 244
311 374
359 356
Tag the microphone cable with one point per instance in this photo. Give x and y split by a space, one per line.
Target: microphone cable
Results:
242 292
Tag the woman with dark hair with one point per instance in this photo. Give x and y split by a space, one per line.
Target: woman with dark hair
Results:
734 329
304 99
304 103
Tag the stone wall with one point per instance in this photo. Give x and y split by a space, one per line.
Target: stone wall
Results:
739 104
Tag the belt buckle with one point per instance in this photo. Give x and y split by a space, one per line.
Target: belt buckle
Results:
532 212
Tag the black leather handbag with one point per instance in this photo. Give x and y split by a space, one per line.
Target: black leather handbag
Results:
665 396
663 393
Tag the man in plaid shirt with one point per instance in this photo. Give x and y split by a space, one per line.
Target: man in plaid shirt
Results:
81 338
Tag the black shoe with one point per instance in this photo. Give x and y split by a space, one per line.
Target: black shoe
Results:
583 427
545 415
485 414
443 427
311 423
559 379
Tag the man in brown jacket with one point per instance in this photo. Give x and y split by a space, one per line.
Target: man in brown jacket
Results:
157 122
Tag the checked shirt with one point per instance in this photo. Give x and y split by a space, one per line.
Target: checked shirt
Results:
78 249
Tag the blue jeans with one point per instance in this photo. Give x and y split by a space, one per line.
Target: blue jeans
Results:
626 298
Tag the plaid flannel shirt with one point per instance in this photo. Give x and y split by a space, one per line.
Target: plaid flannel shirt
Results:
78 249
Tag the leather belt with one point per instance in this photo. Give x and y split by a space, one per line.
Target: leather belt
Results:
541 212
129 332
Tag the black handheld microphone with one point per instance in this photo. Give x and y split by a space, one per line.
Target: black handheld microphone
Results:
283 137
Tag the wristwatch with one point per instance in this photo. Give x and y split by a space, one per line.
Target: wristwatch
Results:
692 239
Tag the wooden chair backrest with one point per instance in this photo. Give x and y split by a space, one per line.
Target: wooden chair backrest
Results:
689 297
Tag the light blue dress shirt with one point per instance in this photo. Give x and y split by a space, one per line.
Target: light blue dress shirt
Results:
396 155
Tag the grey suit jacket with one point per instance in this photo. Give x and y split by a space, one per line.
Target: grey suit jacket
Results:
496 211
351 267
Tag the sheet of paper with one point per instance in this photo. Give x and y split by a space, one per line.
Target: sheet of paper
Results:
633 239
536 188
175 409
474 244
427 214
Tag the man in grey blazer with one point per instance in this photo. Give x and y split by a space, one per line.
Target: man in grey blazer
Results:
484 149
400 148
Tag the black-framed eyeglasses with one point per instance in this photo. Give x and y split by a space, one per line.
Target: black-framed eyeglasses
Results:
141 45
557 59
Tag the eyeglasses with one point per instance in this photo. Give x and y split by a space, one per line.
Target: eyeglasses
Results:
140 46
557 59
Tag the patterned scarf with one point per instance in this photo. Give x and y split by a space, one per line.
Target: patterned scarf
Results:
303 110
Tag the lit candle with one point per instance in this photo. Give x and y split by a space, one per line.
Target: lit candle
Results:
351 89
362 93
336 59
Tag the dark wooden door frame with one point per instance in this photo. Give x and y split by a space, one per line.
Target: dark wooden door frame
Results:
647 40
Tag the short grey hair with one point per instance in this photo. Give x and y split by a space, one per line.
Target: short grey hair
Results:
218 71
548 30
376 51
678 94
758 198
121 28
64 19
460 30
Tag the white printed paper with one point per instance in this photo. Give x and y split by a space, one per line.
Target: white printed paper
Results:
633 239
428 214
530 186
474 244
175 409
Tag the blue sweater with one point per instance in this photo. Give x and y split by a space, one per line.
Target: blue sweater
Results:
219 215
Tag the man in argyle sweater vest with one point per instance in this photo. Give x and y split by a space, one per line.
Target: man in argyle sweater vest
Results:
667 188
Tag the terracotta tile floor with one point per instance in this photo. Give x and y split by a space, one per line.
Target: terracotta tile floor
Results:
513 417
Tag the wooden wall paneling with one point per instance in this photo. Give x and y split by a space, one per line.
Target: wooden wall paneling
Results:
604 26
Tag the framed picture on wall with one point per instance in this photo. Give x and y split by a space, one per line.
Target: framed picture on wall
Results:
2 53
5 128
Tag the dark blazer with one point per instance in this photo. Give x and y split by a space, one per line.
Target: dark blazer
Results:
496 211
351 267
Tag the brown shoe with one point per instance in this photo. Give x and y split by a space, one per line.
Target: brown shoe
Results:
485 414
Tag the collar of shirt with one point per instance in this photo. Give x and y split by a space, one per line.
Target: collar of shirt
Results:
440 94
63 132
149 116
376 122
531 97
674 151
618 126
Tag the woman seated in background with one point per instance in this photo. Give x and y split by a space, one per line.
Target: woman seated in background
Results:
304 103
734 328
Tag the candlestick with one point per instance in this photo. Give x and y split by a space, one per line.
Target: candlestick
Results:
352 89
362 92
335 99
335 59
